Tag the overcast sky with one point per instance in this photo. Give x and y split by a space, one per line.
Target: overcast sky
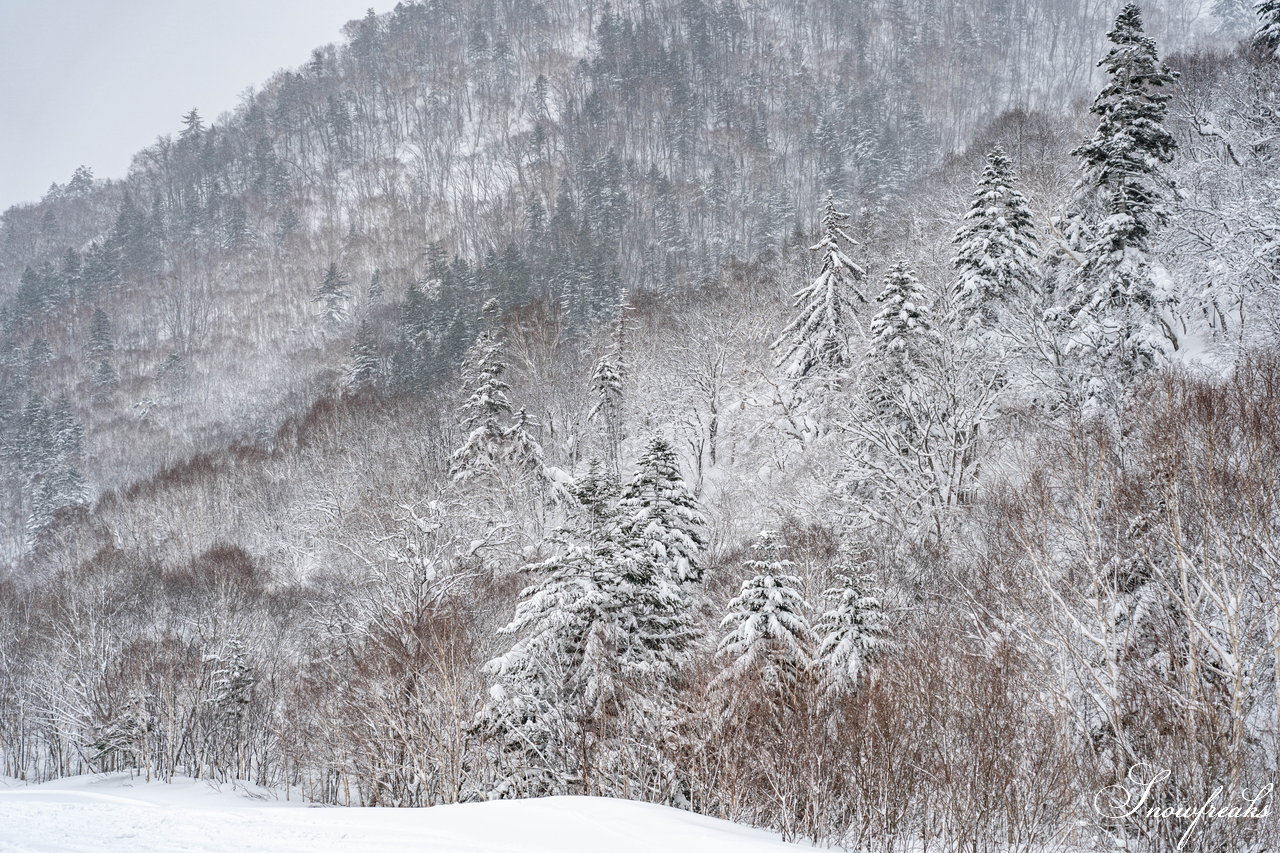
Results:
93 81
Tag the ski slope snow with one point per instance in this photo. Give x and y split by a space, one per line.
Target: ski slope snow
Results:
102 814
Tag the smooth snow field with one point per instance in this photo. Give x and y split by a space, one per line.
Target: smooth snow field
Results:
117 813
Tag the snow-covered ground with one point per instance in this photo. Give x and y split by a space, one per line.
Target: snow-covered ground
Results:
116 813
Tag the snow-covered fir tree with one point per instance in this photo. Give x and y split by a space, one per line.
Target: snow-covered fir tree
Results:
486 414
1266 37
768 636
105 376
231 687
522 452
850 634
608 381
192 127
996 250
120 734
45 501
819 338
601 640
1122 200
659 517
50 446
1234 15
362 370
595 494
101 338
332 296
233 682
39 354
903 328
66 433
60 488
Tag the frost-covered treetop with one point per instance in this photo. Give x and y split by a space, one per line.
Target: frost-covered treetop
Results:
1267 37
818 337
906 320
1121 162
768 632
996 247
659 518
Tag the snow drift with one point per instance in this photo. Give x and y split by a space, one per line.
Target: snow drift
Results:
116 812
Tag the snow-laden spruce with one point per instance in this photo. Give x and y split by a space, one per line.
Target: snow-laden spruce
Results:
365 365
768 636
819 338
49 445
996 250
100 353
1267 36
659 517
1121 201
332 296
851 634
101 337
607 383
496 435
903 328
232 681
602 635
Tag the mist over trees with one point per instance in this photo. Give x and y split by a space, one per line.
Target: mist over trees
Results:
851 419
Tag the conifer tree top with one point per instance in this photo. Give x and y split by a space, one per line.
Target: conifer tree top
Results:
906 316
995 247
818 337
659 517
1121 162
1267 36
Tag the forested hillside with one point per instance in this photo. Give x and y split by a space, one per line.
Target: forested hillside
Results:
857 420
454 152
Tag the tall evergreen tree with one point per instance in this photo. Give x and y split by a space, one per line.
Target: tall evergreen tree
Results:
995 249
769 638
818 338
39 354
49 444
81 183
332 295
101 272
362 372
101 339
607 383
1122 200
523 452
850 634
65 431
192 127
287 225
486 411
903 328
1267 36
105 376
601 640
34 444
233 682
497 436
659 518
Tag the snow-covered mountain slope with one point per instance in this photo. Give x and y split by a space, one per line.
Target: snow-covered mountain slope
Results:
114 812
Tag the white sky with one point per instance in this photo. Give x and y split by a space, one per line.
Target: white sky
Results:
93 81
